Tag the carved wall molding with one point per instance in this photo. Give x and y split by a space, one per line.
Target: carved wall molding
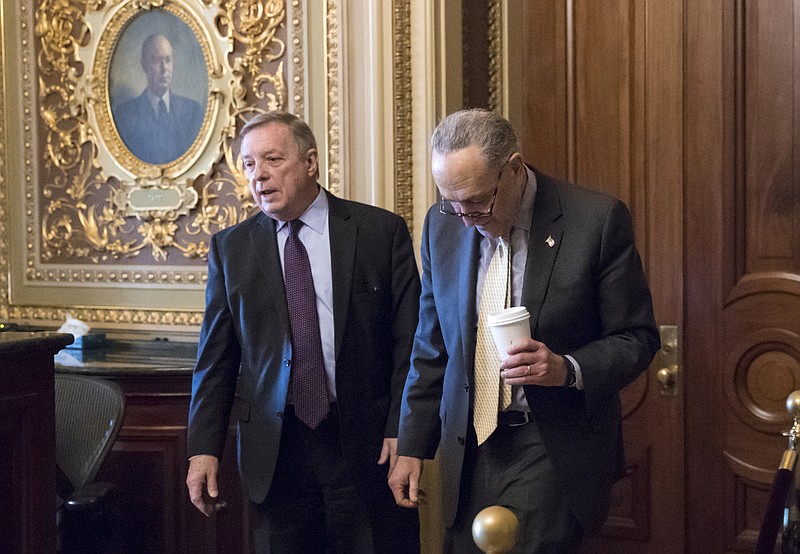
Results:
100 227
403 160
116 240
496 53
111 204
332 78
297 51
4 258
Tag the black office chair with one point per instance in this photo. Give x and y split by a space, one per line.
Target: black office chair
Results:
89 414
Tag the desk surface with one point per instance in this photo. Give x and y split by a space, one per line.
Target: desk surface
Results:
11 341
129 357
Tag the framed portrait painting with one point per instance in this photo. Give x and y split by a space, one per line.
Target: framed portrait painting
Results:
157 87
105 222
126 141
156 69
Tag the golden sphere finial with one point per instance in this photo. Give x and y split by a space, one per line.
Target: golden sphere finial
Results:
494 529
793 403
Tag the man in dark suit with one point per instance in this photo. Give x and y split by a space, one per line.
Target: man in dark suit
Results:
316 388
158 126
551 450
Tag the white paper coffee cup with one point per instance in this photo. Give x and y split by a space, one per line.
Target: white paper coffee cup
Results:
508 327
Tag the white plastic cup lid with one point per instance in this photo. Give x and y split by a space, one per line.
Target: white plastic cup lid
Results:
508 315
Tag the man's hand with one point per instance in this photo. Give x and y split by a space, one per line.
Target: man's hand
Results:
532 363
389 453
202 482
404 482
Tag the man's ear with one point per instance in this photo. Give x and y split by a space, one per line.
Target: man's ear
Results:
312 159
516 162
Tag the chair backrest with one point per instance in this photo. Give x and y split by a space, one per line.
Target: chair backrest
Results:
89 414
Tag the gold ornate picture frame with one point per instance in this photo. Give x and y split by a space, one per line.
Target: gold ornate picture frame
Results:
116 60
106 231
87 227
159 193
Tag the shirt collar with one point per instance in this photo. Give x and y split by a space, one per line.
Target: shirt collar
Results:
154 99
315 216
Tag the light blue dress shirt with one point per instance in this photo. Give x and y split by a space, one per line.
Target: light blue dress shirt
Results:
316 238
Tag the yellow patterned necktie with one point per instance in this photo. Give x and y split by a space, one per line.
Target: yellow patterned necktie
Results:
488 385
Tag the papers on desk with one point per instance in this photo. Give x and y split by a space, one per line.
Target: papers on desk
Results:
84 337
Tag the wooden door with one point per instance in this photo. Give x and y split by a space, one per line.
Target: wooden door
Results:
742 347
602 106
689 112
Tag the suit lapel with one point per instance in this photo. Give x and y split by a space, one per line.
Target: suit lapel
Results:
469 254
544 241
264 242
343 233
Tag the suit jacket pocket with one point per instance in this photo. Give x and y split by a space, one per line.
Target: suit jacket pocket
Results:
369 309
241 409
369 295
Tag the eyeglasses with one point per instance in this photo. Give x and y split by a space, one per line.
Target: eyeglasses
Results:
446 206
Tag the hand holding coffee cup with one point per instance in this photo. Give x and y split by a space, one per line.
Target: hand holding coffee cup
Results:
509 326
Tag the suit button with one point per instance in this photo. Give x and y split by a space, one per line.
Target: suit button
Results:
279 414
461 441
287 362
466 387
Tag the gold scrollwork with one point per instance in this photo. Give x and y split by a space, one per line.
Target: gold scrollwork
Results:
495 38
403 167
4 258
103 203
332 77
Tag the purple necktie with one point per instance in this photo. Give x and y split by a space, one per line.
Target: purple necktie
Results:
309 389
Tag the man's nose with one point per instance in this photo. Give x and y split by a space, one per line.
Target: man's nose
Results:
260 172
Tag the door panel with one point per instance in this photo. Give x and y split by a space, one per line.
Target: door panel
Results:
602 106
689 112
742 347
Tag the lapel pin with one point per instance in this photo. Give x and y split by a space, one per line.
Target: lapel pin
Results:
550 242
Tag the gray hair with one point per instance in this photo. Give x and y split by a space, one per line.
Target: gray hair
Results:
493 134
302 133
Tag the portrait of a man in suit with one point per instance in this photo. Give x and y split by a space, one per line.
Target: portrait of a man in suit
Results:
158 126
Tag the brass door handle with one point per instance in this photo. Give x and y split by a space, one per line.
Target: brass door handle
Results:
667 378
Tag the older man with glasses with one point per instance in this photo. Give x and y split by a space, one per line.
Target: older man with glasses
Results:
538 432
456 208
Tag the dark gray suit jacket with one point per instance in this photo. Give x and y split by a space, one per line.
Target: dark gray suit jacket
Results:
245 348
587 296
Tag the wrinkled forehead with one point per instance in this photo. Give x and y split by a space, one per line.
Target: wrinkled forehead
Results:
272 137
458 164
461 173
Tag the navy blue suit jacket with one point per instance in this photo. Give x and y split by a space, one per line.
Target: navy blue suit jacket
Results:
587 296
245 348
154 141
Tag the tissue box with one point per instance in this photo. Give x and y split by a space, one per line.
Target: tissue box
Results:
92 340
